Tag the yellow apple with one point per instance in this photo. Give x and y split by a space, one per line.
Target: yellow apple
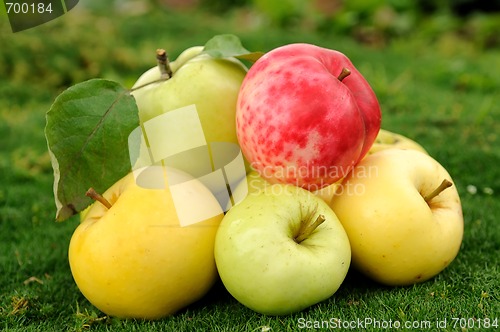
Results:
83 213
326 193
403 216
135 259
256 183
387 140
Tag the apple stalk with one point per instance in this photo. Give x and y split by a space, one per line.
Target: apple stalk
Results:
163 64
98 197
343 74
307 230
445 184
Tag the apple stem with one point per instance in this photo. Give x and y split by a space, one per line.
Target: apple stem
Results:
343 74
445 184
98 197
309 228
163 63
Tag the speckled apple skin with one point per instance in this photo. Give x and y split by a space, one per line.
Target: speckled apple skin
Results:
297 123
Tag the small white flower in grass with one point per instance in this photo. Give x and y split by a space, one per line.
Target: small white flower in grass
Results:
488 191
263 328
471 189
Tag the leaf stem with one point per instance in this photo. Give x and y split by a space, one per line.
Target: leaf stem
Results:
445 184
309 228
98 197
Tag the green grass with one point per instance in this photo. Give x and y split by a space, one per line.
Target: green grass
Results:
442 94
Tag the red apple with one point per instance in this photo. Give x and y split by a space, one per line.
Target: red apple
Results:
305 116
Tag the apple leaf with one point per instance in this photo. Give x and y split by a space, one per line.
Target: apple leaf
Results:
87 133
224 46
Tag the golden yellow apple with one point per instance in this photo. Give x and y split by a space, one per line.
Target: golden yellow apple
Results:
403 216
387 140
256 184
135 259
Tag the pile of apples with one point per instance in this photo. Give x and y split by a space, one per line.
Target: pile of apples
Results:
326 189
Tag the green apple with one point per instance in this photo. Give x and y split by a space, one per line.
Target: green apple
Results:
403 216
281 250
211 84
187 113
134 259
387 140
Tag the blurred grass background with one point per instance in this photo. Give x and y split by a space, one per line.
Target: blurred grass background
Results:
435 67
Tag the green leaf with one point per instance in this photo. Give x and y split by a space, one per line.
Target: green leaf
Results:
87 133
224 46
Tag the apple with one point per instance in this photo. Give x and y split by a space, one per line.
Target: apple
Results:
133 258
83 213
403 216
387 140
281 250
305 116
256 183
194 78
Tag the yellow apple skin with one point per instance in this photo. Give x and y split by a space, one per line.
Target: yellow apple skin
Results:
83 213
256 184
135 261
396 237
388 140
209 83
